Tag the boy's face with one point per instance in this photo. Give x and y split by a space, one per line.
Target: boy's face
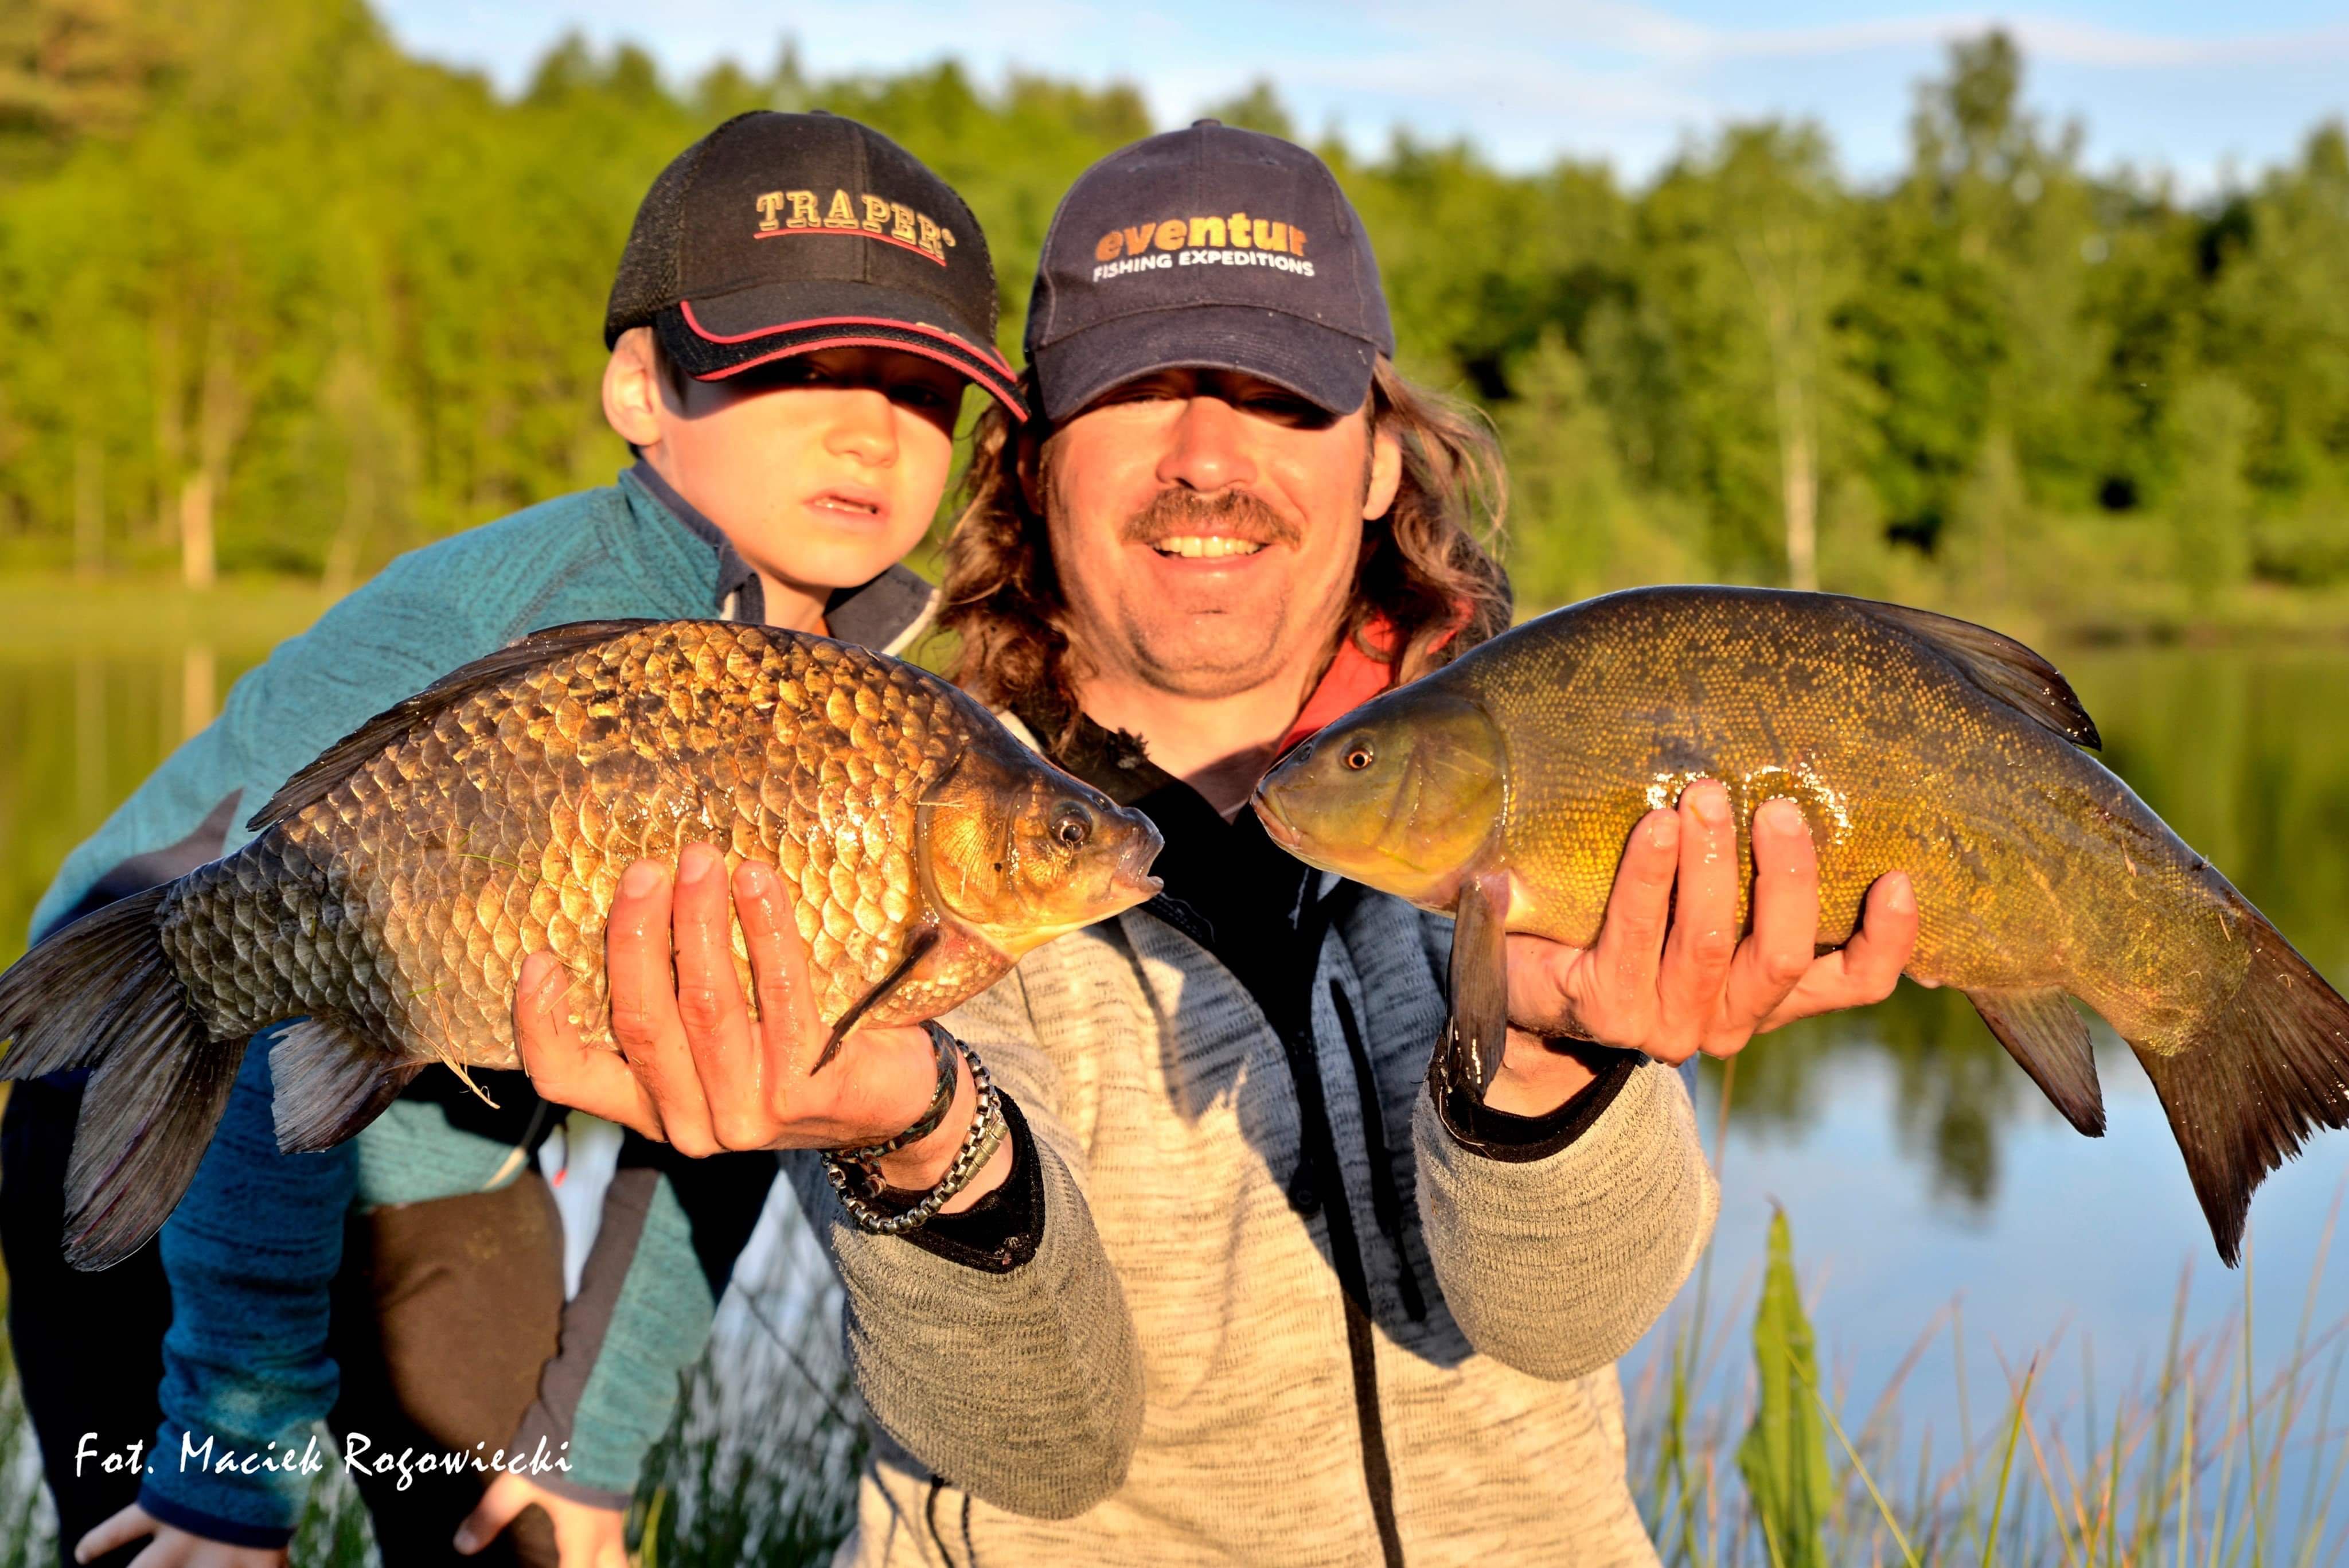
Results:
824 468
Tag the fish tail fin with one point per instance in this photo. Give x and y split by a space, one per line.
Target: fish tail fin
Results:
2265 1069
103 994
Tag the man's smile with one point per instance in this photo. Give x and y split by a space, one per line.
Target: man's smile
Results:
1206 546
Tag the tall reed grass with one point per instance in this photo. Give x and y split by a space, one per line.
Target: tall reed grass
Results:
1751 1456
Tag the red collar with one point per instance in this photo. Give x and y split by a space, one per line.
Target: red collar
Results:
1353 679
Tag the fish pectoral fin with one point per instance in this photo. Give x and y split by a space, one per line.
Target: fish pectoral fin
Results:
1476 1034
326 1083
916 950
2047 1036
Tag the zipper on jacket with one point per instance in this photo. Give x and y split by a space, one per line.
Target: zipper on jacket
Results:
1321 1150
1386 1196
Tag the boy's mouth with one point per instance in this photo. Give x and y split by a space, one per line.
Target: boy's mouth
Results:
861 505
1206 546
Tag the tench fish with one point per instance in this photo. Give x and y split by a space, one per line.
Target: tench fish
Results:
1503 788
400 879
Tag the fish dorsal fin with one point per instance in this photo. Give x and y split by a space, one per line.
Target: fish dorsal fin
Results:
336 762
1999 665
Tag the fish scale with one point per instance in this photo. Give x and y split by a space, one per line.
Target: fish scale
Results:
399 882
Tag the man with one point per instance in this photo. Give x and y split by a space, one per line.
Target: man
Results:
1236 1288
795 318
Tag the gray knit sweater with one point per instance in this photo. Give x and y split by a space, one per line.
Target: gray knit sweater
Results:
1176 1376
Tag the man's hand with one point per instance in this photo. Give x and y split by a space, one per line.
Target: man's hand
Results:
1668 975
585 1536
698 1068
172 1548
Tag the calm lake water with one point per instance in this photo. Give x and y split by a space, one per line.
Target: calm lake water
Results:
1918 1166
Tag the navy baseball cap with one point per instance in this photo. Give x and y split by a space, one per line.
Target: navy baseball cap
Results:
784 233
1211 249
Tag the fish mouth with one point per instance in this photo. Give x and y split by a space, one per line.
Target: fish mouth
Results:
1266 801
1131 875
1277 825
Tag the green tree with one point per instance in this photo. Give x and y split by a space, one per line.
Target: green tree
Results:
2210 511
1574 528
274 294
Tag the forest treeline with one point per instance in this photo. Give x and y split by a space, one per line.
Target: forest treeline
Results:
276 295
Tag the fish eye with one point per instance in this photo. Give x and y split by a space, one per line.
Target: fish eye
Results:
1360 753
1073 824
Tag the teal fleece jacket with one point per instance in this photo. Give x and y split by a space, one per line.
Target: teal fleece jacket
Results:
253 1247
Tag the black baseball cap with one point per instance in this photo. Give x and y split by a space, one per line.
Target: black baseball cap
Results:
1210 247
784 233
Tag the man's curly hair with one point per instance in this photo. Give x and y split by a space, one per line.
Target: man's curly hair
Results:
1428 573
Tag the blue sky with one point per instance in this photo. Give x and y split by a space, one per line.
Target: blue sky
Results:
2194 89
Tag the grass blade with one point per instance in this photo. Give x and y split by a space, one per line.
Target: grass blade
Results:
2006 1465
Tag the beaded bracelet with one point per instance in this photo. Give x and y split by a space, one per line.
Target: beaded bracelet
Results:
987 1129
940 1104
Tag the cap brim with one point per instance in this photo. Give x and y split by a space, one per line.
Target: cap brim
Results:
1329 369
711 340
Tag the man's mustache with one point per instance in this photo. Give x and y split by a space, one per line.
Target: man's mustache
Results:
1233 515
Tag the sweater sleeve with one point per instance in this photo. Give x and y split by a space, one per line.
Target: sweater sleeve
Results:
1023 1385
250 1253
1554 1265
670 1232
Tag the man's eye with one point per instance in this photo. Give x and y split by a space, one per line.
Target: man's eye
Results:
1142 392
1283 410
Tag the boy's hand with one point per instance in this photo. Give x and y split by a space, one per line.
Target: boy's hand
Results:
700 1069
172 1548
1668 975
585 1536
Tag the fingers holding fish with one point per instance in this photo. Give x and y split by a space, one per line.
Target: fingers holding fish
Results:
790 1034
655 956
1866 968
714 1076
722 1040
1613 996
1703 940
772 1097
563 1067
1777 951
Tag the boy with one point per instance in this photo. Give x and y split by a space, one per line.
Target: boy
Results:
797 312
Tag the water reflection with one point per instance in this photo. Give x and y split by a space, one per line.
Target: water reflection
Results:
78 732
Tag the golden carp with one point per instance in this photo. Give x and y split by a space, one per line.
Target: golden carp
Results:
399 881
1503 787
